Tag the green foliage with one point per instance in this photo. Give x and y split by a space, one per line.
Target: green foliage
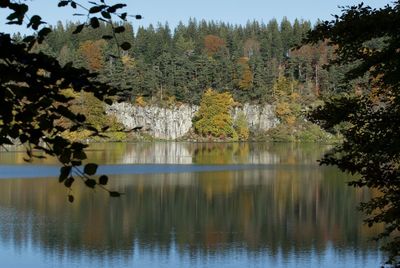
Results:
214 118
368 41
244 61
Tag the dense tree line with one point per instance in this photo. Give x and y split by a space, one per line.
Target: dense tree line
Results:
179 65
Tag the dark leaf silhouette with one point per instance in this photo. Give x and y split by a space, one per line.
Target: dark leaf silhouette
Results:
94 22
78 29
119 29
64 173
90 169
63 3
125 46
103 180
90 183
68 182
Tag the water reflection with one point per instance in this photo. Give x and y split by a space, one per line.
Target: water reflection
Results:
280 216
187 153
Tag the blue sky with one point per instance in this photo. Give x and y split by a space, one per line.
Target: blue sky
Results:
232 11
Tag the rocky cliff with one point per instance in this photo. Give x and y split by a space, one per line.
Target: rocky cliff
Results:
174 122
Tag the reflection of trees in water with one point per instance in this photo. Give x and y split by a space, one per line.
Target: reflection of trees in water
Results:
283 210
188 153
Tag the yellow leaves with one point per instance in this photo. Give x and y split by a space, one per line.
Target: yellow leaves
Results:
282 109
127 61
284 86
287 103
245 74
214 118
287 112
140 101
294 96
69 92
287 106
290 120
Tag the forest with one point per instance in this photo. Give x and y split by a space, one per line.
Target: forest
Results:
252 62
256 63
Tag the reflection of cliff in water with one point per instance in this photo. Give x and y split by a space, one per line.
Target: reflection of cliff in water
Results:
205 153
286 210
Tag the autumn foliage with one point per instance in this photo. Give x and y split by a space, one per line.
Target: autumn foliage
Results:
92 51
213 118
213 44
245 80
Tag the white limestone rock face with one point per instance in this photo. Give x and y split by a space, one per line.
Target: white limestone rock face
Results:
174 122
159 122
259 117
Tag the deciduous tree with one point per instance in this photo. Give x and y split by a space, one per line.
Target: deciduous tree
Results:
371 146
32 92
214 118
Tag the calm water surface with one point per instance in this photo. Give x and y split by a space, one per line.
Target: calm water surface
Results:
186 205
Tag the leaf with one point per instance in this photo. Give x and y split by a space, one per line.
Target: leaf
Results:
114 194
90 168
34 20
107 37
64 173
94 22
12 16
23 138
62 3
73 4
79 154
90 183
103 180
123 16
119 29
4 140
79 28
138 17
65 157
71 198
68 182
76 163
114 8
80 118
4 3
43 32
125 46
96 9
28 39
106 14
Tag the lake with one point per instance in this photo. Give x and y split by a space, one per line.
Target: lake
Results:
186 205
